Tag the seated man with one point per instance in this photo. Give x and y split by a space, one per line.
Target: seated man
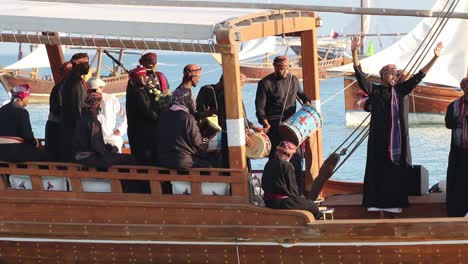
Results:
279 183
17 142
88 143
111 108
179 140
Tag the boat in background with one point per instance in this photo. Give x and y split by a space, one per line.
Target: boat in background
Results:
429 101
41 85
256 61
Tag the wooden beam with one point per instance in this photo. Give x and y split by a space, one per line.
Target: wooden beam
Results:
275 27
88 41
55 54
310 73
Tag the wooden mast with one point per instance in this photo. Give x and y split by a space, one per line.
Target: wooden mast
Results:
310 73
55 54
99 63
234 110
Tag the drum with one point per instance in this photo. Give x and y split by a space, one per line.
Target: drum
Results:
214 144
261 146
209 127
299 126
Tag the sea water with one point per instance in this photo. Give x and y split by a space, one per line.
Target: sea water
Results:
430 144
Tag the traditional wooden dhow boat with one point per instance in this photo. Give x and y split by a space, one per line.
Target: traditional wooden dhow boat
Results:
41 85
73 224
429 101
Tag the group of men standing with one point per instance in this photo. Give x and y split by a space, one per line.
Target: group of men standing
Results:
163 128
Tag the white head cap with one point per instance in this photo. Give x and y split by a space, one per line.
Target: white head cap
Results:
95 83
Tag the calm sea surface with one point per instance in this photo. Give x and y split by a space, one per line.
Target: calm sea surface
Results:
430 144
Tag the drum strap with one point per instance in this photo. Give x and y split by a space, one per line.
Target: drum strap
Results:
286 98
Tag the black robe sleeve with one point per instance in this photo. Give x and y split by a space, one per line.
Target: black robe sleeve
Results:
362 80
194 133
407 86
96 140
144 104
26 131
260 101
451 121
206 99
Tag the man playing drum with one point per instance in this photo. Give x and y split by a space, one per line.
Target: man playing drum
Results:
275 102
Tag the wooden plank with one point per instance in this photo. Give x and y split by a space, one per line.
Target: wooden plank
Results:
275 27
311 79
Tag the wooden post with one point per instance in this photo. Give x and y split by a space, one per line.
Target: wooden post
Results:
234 110
99 63
310 73
56 59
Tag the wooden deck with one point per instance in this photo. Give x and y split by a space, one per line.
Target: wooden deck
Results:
349 206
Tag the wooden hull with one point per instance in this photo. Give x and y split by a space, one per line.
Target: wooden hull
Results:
257 71
78 227
429 102
40 89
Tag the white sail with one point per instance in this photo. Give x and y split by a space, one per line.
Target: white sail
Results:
449 69
36 59
257 47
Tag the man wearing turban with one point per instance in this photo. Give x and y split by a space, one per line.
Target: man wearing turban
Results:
52 130
88 143
275 102
456 119
179 139
279 182
17 142
142 116
191 78
385 180
157 82
73 92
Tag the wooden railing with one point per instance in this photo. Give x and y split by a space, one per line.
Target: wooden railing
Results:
154 176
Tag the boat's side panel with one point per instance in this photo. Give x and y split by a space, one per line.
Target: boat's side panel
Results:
69 252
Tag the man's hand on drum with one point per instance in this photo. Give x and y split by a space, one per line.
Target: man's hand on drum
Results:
308 103
266 126
248 141
257 129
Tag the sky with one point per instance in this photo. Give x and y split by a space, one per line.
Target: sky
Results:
341 23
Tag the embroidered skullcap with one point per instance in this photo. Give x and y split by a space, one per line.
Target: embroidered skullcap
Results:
65 68
95 83
79 58
138 71
192 70
21 91
464 82
287 148
389 68
281 61
148 58
93 100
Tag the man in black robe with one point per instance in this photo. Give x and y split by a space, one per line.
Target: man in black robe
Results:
179 140
73 93
456 119
191 78
88 142
385 180
52 130
142 117
275 102
17 142
279 182
91 150
157 83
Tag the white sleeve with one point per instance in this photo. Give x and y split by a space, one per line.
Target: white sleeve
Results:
120 110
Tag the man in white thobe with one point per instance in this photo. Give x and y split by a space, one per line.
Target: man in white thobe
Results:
111 110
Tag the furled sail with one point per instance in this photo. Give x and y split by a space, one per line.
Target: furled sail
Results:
449 69
257 47
36 59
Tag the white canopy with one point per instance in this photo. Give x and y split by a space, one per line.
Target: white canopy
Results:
449 69
188 23
36 59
